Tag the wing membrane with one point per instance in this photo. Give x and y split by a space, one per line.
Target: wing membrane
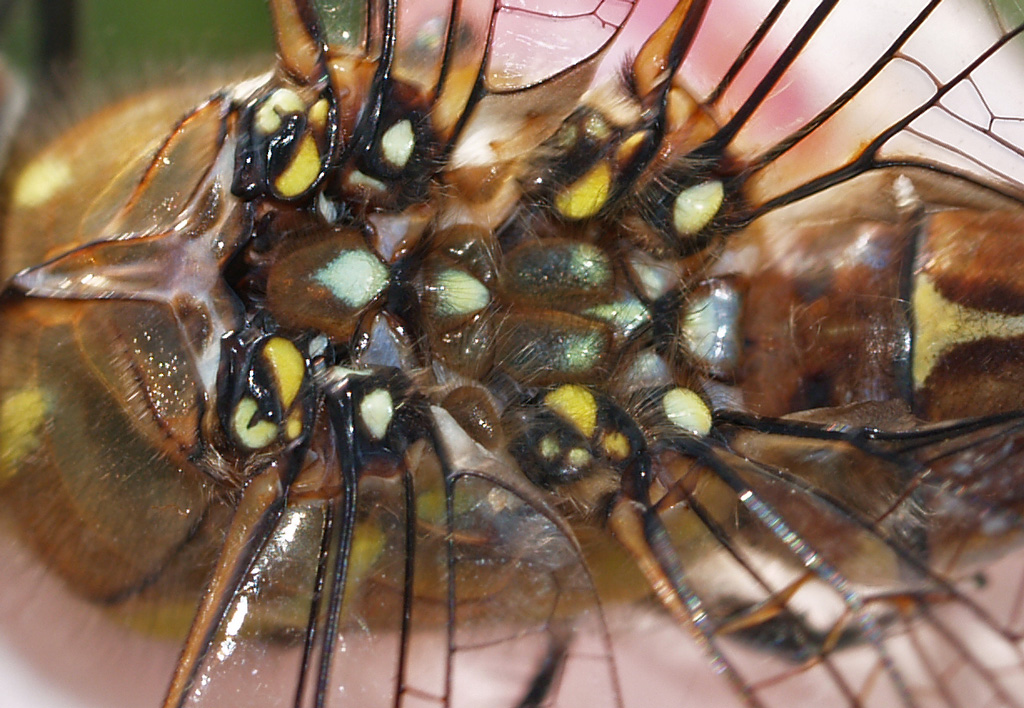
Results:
897 91
858 558
411 605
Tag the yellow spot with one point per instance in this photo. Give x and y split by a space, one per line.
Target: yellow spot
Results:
577 405
687 410
940 325
21 417
253 435
431 507
578 457
288 367
616 446
549 447
40 181
318 113
629 146
585 197
696 206
293 428
280 102
368 543
302 172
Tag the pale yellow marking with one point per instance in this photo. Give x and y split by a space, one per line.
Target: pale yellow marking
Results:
318 113
431 507
696 206
361 179
288 367
596 128
940 325
376 411
293 428
40 181
578 457
687 410
568 136
302 171
282 101
368 544
22 416
616 445
398 142
549 447
585 197
577 405
253 436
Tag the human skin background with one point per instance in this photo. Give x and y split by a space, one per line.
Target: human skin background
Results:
43 628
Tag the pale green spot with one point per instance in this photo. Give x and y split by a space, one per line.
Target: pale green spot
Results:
581 353
596 128
589 265
626 315
459 293
431 507
578 457
549 447
354 277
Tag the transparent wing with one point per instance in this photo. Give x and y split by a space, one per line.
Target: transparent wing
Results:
840 565
511 45
424 586
856 86
484 66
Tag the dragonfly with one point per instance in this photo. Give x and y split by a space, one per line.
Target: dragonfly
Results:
530 354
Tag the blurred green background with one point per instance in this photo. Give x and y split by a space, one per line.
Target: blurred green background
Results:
118 35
